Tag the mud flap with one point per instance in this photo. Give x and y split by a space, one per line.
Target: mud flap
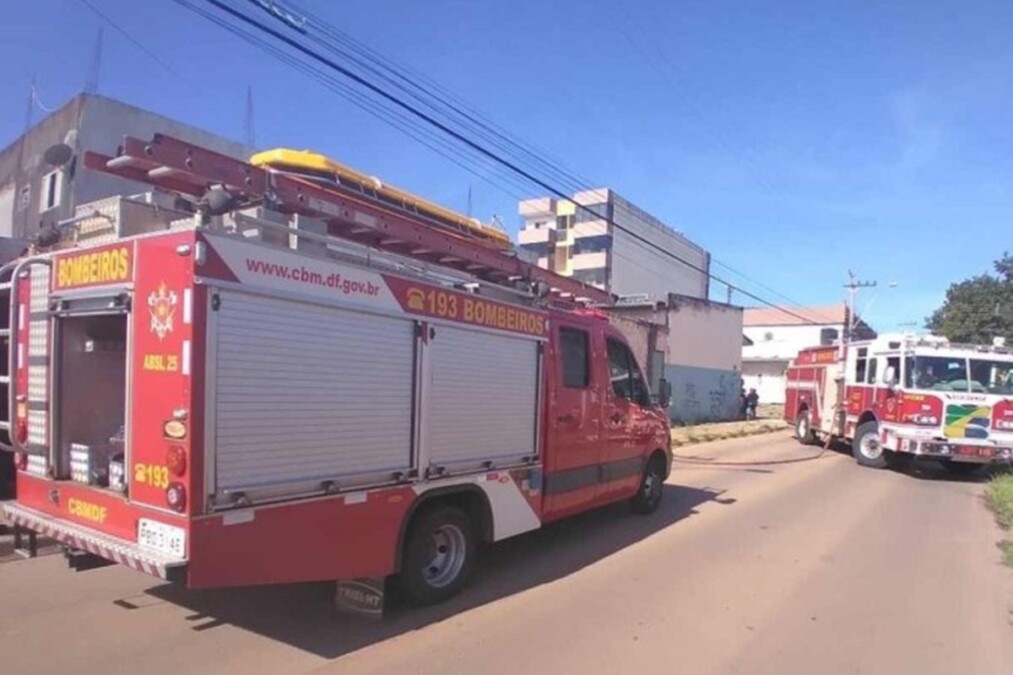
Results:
362 597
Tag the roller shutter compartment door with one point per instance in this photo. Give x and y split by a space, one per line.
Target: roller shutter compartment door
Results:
482 401
305 392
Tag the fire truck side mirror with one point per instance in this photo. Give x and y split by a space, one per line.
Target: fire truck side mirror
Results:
664 393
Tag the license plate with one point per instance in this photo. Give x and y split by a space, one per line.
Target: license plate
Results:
974 451
160 537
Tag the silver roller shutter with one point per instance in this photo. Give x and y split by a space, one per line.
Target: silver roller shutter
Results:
305 392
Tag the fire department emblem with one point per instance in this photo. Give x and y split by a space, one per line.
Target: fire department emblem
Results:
162 305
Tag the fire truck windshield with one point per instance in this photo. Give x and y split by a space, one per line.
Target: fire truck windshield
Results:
956 373
994 377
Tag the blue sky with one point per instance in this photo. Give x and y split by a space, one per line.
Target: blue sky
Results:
794 141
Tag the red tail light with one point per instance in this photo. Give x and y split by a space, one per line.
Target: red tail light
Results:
175 496
175 460
21 432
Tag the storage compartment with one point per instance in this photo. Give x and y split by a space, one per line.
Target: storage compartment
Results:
90 397
307 394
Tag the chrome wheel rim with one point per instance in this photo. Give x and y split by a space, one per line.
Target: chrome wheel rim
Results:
448 550
652 486
869 447
802 427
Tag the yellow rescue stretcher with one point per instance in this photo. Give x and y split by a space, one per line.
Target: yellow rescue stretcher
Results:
319 167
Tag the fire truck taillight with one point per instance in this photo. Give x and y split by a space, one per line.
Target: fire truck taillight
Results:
175 460
175 496
21 431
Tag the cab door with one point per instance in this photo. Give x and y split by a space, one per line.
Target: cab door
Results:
574 413
626 421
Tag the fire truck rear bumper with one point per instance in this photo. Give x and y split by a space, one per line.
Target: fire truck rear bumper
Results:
958 451
111 548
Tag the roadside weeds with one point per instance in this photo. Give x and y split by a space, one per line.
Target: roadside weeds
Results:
705 433
1000 499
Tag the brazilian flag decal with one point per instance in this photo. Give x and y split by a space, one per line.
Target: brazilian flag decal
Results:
967 421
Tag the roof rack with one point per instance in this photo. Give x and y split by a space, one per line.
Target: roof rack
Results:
227 184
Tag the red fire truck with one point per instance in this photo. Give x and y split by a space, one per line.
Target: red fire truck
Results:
216 405
899 397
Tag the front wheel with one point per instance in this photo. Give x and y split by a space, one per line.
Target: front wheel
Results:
439 556
866 448
648 497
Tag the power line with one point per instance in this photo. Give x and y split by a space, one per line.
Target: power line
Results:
468 142
414 130
130 38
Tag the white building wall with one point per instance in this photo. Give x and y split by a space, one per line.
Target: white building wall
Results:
765 362
640 268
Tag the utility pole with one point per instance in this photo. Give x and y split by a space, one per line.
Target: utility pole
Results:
249 135
853 287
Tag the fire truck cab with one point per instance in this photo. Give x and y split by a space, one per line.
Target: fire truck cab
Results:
226 399
903 396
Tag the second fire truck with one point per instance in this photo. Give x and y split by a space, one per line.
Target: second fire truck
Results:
898 397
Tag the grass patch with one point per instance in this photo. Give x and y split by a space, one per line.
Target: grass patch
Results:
1000 498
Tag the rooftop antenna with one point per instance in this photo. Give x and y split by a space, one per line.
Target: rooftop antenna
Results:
91 80
249 135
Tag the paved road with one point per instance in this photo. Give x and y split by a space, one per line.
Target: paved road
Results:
809 567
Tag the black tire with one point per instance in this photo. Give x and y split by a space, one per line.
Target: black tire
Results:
804 428
652 487
438 557
866 449
962 468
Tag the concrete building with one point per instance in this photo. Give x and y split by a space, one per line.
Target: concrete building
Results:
583 244
777 337
38 190
696 345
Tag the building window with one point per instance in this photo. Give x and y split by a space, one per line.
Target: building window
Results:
575 357
873 366
594 277
564 223
539 224
828 336
541 249
52 184
593 244
592 212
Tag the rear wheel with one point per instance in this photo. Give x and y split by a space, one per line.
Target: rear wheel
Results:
866 447
804 428
439 556
648 497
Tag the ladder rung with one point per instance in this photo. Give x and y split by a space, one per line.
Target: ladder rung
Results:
5 425
5 286
5 332
5 379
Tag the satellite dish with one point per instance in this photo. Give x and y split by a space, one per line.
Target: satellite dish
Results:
58 155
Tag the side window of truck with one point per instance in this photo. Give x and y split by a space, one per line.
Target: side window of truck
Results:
627 380
873 363
575 358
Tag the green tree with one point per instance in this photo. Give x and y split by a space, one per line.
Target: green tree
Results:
978 309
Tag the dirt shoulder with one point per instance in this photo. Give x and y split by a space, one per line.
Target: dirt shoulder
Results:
704 433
